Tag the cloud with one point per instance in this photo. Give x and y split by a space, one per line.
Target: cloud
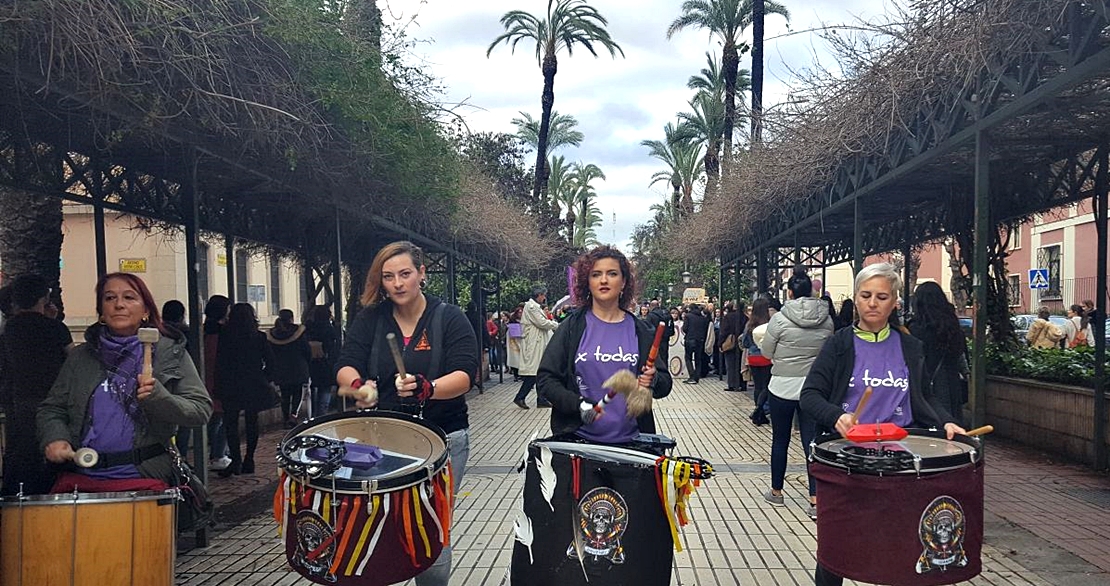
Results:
618 102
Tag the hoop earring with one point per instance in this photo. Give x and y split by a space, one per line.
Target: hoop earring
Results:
101 321
423 283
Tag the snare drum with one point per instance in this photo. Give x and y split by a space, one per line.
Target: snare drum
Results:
365 526
92 539
905 513
595 510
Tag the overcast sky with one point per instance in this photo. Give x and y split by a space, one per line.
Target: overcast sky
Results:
618 102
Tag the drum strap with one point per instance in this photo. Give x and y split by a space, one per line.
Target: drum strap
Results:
136 456
436 331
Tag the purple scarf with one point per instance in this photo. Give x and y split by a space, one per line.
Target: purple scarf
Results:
114 412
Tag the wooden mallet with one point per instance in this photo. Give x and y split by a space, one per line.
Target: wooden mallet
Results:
862 403
978 431
149 337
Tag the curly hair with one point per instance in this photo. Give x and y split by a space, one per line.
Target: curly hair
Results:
934 320
585 264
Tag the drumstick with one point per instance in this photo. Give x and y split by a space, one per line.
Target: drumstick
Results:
980 431
395 350
862 403
148 337
638 400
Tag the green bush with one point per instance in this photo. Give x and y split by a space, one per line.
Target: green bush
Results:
1073 366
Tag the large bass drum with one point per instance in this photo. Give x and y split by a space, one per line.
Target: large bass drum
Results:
905 513
365 498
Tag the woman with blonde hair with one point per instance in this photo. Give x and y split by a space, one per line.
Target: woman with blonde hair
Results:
394 302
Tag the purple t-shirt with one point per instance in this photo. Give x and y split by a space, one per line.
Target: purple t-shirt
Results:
881 366
606 348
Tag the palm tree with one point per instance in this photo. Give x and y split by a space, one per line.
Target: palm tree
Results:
585 233
726 19
760 9
31 236
561 133
578 195
683 159
711 79
705 125
566 24
560 182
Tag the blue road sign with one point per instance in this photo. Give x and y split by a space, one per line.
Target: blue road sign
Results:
1038 278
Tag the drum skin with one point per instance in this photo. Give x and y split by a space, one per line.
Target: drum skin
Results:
900 529
620 496
363 535
110 540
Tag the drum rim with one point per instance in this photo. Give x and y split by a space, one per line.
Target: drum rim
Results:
413 478
601 452
929 465
89 498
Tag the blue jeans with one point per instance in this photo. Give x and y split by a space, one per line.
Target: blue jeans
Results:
217 442
782 425
458 442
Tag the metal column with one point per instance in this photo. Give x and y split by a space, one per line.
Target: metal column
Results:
229 256
761 281
337 277
190 212
101 241
1099 324
452 288
502 352
857 238
978 395
907 294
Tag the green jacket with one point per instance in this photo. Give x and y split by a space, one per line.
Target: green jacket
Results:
179 398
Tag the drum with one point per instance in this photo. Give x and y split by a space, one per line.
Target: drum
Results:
905 513
595 514
365 498
91 539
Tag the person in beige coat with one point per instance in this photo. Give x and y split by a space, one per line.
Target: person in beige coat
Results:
537 331
1043 333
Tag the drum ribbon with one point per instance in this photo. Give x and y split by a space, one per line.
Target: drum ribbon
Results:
443 500
409 543
347 529
417 509
372 505
384 500
425 489
675 481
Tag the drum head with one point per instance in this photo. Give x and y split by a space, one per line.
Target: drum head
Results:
413 450
921 451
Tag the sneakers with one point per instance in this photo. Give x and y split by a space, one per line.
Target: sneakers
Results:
219 463
774 499
812 512
520 403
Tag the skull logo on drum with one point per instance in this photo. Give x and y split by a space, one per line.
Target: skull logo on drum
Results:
942 534
315 545
601 520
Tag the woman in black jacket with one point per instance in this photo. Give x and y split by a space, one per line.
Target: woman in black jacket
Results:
871 354
936 325
593 343
440 353
291 356
243 363
324 348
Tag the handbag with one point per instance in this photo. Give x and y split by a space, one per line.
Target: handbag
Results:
729 344
195 509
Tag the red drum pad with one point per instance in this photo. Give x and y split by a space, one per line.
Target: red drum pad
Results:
900 529
872 432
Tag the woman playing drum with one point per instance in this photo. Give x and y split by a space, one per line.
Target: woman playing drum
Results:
871 355
593 343
439 351
102 399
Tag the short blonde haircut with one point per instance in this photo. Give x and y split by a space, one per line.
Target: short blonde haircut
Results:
884 270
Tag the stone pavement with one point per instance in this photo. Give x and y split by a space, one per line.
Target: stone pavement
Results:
1046 522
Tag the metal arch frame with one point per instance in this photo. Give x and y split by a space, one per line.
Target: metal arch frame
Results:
945 125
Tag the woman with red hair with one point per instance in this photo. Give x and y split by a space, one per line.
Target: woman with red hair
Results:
599 338
103 401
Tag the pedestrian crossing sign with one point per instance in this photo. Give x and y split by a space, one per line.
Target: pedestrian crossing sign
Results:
1038 278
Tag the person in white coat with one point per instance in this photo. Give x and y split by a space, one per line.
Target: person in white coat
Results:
537 331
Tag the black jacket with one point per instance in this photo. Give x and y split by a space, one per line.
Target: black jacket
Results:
657 316
696 328
291 355
458 351
557 380
827 383
244 364
733 325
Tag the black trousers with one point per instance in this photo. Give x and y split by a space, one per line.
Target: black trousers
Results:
525 387
231 428
823 577
695 359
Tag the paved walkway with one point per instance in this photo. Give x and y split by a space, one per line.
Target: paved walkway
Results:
1046 523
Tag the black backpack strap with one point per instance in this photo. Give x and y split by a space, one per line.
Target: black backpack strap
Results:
439 334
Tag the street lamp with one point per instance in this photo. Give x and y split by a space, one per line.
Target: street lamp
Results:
686 277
